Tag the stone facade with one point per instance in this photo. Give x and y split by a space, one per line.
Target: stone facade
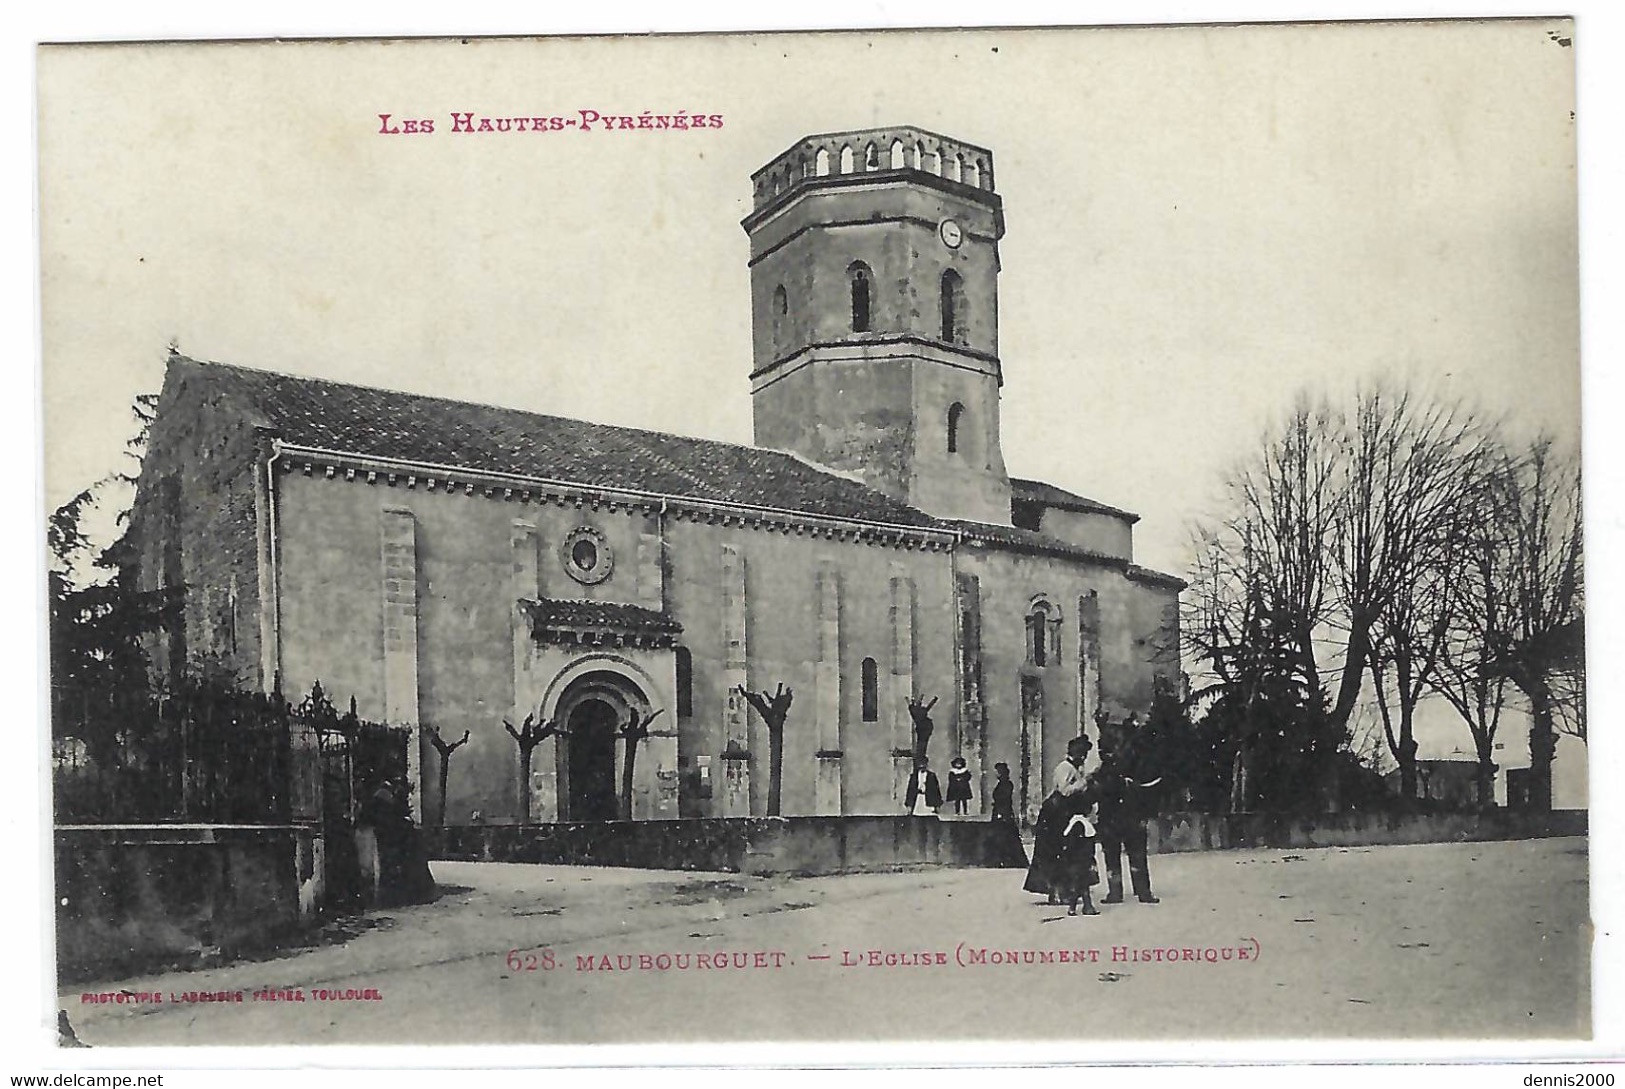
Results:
460 567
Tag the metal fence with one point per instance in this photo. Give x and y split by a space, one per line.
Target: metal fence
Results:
219 756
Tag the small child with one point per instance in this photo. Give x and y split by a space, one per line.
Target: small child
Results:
1076 871
1004 794
959 785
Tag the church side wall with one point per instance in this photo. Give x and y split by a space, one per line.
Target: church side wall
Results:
333 588
782 637
333 623
193 524
1113 644
1154 609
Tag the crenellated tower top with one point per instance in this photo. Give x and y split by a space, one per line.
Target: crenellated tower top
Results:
885 151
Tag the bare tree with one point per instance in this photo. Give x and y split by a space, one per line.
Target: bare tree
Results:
1533 503
1261 602
1568 684
1476 620
530 734
919 711
1334 562
1410 508
635 730
445 750
774 709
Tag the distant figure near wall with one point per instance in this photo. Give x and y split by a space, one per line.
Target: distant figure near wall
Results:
399 865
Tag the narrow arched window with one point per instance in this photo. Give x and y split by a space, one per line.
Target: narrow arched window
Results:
821 162
1038 634
871 691
973 173
897 155
846 159
956 413
919 155
861 290
685 683
781 313
956 167
871 158
953 307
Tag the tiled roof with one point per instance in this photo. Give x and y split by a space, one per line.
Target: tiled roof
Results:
554 620
562 612
412 427
1029 541
1036 491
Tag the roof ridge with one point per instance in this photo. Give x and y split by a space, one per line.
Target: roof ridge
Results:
318 411
317 379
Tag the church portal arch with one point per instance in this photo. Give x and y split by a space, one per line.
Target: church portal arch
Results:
592 699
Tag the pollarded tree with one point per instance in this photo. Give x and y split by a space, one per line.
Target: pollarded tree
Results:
529 735
446 749
774 709
634 731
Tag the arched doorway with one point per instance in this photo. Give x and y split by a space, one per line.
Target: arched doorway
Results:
593 707
591 761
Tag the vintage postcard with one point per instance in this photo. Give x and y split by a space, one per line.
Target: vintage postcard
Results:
864 536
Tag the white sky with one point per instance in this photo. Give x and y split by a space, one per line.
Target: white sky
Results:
1200 222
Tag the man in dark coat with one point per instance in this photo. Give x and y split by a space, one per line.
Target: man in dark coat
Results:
923 787
1123 804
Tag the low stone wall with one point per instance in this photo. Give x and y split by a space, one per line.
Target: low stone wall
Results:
1202 831
829 845
753 845
132 895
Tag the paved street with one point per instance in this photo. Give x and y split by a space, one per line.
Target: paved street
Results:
1486 939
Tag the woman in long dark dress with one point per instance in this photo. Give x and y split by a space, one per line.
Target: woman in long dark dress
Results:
1004 794
1053 816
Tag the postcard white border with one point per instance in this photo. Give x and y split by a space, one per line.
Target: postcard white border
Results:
29 998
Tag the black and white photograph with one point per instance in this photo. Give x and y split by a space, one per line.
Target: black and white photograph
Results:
1058 535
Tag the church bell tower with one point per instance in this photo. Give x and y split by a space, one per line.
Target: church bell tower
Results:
874 259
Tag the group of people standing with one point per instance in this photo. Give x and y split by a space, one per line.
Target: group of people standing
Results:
1064 839
923 797
1105 807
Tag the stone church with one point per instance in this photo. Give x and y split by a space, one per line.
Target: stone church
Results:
459 566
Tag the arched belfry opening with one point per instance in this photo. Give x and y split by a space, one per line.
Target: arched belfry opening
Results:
781 318
952 305
956 421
